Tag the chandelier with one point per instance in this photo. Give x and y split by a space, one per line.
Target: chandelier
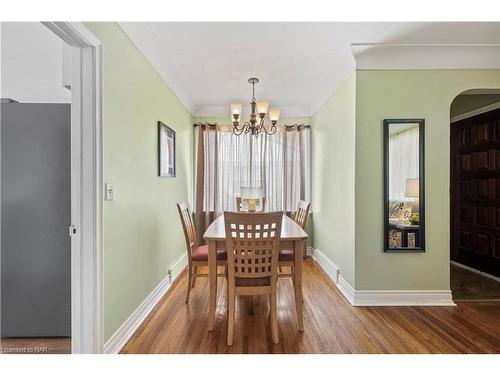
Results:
259 108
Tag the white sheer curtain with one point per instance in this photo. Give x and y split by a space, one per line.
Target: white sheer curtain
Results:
279 163
403 161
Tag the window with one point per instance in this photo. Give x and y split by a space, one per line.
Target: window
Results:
278 163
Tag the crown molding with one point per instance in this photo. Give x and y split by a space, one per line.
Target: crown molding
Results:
224 111
357 57
146 41
426 56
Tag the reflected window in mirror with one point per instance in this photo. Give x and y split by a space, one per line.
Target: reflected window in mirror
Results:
404 217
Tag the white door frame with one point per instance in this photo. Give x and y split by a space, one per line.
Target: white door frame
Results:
86 187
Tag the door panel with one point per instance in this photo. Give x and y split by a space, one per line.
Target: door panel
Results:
475 192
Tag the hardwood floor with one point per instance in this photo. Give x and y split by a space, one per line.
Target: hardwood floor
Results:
468 285
331 324
36 345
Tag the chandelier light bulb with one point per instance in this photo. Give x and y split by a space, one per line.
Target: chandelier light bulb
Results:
262 107
274 115
236 109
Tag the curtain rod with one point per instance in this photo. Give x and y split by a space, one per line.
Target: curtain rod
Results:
287 126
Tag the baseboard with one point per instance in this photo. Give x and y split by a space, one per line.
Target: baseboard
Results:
326 264
346 289
380 297
474 270
333 272
403 298
118 340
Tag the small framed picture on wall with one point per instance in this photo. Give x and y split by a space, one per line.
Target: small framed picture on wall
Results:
166 151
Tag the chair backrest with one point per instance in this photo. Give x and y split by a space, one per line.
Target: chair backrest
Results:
252 243
187 225
302 213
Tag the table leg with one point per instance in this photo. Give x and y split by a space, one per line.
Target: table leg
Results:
298 259
212 276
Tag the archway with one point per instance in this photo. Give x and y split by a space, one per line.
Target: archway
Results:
475 195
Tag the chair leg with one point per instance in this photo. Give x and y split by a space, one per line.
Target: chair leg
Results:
193 277
231 312
274 317
190 277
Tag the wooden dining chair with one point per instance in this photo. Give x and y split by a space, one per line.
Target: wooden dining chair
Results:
197 255
253 242
286 257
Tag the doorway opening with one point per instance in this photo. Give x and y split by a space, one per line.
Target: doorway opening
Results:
475 195
36 190
51 274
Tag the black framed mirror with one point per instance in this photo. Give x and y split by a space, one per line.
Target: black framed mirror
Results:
404 181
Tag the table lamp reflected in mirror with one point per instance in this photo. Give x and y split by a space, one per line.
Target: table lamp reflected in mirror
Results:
412 190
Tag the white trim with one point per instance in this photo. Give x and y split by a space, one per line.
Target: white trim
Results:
403 298
481 92
328 266
425 56
86 187
223 111
123 334
475 112
333 272
380 297
475 271
346 289
145 38
20 99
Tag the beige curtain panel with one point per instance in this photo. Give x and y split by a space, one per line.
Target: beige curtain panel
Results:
278 163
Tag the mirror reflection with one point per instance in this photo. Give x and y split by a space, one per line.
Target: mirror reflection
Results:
404 227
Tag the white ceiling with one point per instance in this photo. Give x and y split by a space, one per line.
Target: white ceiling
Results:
299 64
32 64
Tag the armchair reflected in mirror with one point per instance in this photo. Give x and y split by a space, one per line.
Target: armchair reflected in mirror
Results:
404 204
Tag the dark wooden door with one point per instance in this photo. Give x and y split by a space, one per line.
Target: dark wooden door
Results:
475 192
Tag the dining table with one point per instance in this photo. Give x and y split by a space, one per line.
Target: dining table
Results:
293 237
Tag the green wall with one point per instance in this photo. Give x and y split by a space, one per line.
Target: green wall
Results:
141 231
406 94
333 136
142 234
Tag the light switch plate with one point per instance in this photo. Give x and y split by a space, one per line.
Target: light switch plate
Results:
108 188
